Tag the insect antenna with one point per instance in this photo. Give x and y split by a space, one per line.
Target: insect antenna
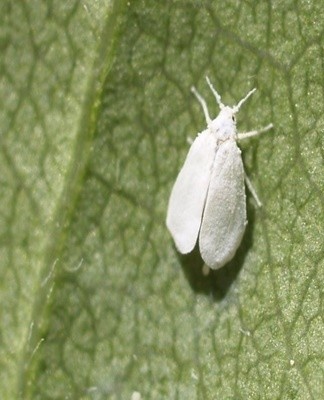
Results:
238 106
217 96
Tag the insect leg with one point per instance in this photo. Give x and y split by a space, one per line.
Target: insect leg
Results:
252 190
246 135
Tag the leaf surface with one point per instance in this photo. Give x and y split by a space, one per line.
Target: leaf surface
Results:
96 302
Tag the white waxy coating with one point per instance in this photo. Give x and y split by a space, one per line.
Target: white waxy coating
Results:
208 197
224 217
189 193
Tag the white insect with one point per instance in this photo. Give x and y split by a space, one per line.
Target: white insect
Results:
208 197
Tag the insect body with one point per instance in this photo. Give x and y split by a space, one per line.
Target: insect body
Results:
208 198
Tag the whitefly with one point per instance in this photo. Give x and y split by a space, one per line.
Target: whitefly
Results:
208 201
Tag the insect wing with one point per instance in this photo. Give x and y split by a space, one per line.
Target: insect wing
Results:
224 217
189 192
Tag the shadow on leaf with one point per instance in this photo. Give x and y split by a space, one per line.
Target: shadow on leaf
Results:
217 282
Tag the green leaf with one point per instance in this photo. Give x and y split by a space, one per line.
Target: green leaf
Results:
96 302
